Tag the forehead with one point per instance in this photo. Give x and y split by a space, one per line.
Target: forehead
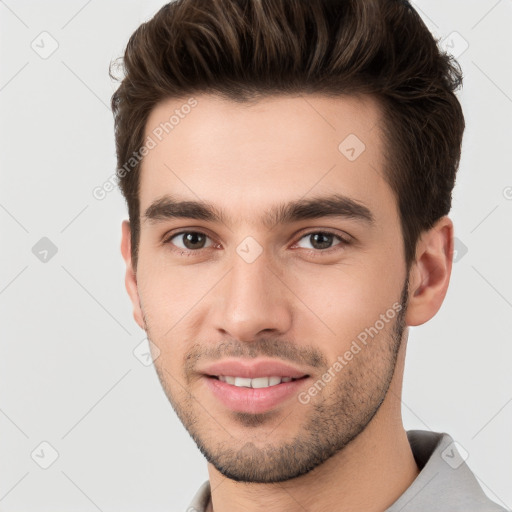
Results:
248 156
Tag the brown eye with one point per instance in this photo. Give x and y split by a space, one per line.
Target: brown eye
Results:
189 240
322 240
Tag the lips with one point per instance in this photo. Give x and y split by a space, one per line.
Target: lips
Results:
250 391
253 400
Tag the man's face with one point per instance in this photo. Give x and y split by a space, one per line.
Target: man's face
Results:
255 287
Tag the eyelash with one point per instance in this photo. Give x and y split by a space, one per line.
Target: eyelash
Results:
315 252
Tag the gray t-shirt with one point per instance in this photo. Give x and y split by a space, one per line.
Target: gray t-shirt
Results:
445 482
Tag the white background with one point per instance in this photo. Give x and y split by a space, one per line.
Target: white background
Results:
69 376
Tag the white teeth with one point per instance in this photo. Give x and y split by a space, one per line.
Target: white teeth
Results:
241 382
258 382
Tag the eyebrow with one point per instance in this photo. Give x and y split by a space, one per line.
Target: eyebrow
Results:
335 205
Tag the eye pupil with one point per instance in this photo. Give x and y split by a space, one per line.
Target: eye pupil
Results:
323 245
191 239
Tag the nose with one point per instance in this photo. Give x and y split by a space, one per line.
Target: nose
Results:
253 299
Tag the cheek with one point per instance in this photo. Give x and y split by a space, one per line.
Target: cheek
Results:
166 299
171 295
338 303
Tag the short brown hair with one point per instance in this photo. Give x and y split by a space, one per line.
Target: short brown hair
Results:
246 49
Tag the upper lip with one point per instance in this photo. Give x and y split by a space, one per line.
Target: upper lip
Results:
253 369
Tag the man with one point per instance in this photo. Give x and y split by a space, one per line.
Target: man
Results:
288 169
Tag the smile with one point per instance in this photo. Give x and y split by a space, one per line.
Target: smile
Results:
258 382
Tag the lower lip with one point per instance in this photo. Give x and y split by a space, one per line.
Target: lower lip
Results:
253 400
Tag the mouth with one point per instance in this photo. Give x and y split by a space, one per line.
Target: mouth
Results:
254 396
253 385
257 382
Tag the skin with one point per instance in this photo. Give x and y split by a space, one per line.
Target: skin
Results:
346 449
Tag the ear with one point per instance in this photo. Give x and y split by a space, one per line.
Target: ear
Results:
430 273
130 279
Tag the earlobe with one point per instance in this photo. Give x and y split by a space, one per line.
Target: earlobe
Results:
430 273
130 276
